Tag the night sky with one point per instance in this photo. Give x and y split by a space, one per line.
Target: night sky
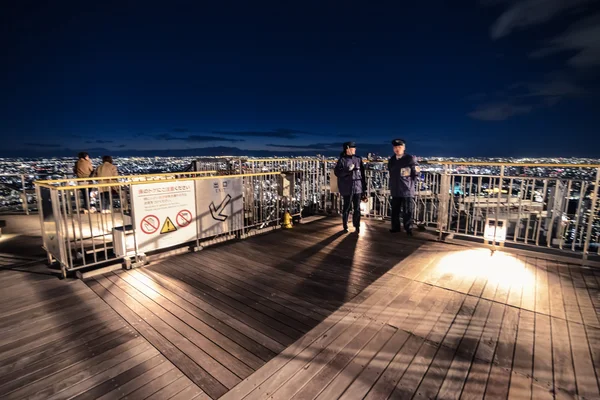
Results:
453 78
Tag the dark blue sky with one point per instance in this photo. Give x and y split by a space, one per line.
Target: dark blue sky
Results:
483 78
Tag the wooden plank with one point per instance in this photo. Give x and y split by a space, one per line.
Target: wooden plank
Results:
189 393
49 366
51 339
20 304
50 384
155 385
498 381
515 293
363 383
564 374
49 320
522 369
569 296
263 322
289 282
584 301
28 362
347 375
195 297
543 380
206 354
272 371
130 383
408 384
265 286
557 308
395 370
128 308
171 389
585 376
103 371
593 336
477 378
265 305
459 368
122 379
436 372
460 323
342 332
259 352
444 322
542 299
593 287
246 360
309 381
529 288
43 311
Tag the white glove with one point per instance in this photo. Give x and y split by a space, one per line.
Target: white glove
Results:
351 167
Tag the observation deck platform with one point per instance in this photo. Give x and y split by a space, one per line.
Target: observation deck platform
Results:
305 313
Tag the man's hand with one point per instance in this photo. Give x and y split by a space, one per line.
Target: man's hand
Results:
351 167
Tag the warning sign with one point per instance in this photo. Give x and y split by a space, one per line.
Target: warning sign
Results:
183 219
168 226
149 224
163 214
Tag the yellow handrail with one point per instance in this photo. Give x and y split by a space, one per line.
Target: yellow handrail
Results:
113 184
499 164
97 178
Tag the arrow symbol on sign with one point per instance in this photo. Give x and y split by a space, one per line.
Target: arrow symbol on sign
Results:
217 213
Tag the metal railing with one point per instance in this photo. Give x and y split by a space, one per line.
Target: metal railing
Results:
559 212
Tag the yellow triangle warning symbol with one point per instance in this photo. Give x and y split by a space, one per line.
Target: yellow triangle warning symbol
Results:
168 226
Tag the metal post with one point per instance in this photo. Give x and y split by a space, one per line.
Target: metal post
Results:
442 217
594 197
25 205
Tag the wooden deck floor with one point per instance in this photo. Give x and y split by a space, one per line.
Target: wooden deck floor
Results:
307 313
450 323
59 340
220 314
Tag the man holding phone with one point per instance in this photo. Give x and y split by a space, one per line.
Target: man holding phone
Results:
403 171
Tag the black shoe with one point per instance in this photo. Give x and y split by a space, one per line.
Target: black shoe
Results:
345 230
357 230
394 230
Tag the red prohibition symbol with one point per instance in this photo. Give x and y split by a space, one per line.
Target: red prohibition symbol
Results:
184 218
150 224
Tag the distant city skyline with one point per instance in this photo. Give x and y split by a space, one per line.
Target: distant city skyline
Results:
482 78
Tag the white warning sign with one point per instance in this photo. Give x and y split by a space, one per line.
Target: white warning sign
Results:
164 214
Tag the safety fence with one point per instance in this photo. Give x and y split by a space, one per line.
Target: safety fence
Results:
87 223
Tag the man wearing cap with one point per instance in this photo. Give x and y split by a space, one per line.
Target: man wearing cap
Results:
350 172
403 178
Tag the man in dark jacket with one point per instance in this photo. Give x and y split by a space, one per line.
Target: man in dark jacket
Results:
350 172
403 179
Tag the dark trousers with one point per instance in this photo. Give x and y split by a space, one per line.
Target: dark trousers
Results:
84 203
105 200
404 206
354 202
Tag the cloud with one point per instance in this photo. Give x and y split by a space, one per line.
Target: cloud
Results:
526 13
499 111
99 141
583 37
196 138
524 97
180 130
313 146
43 145
275 133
